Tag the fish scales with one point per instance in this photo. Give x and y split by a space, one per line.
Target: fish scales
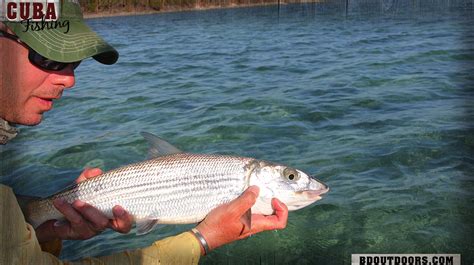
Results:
176 188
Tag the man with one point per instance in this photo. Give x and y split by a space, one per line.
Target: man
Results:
36 66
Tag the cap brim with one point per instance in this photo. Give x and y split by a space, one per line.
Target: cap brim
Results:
79 43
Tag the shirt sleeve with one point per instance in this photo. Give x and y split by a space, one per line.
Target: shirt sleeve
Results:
20 246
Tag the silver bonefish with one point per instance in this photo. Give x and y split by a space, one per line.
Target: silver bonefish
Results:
175 187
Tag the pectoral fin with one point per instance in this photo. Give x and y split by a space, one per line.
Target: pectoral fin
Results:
246 219
144 226
61 222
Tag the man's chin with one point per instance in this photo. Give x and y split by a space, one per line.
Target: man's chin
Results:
32 120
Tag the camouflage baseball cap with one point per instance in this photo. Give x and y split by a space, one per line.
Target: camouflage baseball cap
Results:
66 40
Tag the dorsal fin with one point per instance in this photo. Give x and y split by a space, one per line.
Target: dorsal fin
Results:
159 147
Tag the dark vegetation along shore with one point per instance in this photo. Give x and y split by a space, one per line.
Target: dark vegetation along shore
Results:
93 8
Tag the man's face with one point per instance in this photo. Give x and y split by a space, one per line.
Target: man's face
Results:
26 91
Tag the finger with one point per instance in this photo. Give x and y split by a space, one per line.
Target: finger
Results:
122 221
88 173
92 172
276 221
68 211
46 231
76 225
244 202
271 222
98 221
261 223
62 229
281 212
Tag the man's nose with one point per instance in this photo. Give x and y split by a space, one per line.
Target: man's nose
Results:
65 77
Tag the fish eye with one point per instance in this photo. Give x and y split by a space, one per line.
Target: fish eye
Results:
291 174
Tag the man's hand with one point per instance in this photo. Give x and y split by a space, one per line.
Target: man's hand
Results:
83 220
223 225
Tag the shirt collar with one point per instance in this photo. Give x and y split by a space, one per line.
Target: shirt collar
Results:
7 132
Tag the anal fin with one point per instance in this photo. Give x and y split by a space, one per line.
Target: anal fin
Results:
145 225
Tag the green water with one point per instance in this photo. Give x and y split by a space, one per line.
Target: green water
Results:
378 106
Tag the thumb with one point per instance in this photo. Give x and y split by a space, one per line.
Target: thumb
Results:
61 229
244 202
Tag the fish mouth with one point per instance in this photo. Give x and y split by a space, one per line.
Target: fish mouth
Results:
314 194
307 197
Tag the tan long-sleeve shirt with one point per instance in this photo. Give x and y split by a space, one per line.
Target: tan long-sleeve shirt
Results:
20 246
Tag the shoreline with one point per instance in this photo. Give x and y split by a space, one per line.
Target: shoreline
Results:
170 10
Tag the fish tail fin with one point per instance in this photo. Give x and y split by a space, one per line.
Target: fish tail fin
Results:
24 201
32 209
